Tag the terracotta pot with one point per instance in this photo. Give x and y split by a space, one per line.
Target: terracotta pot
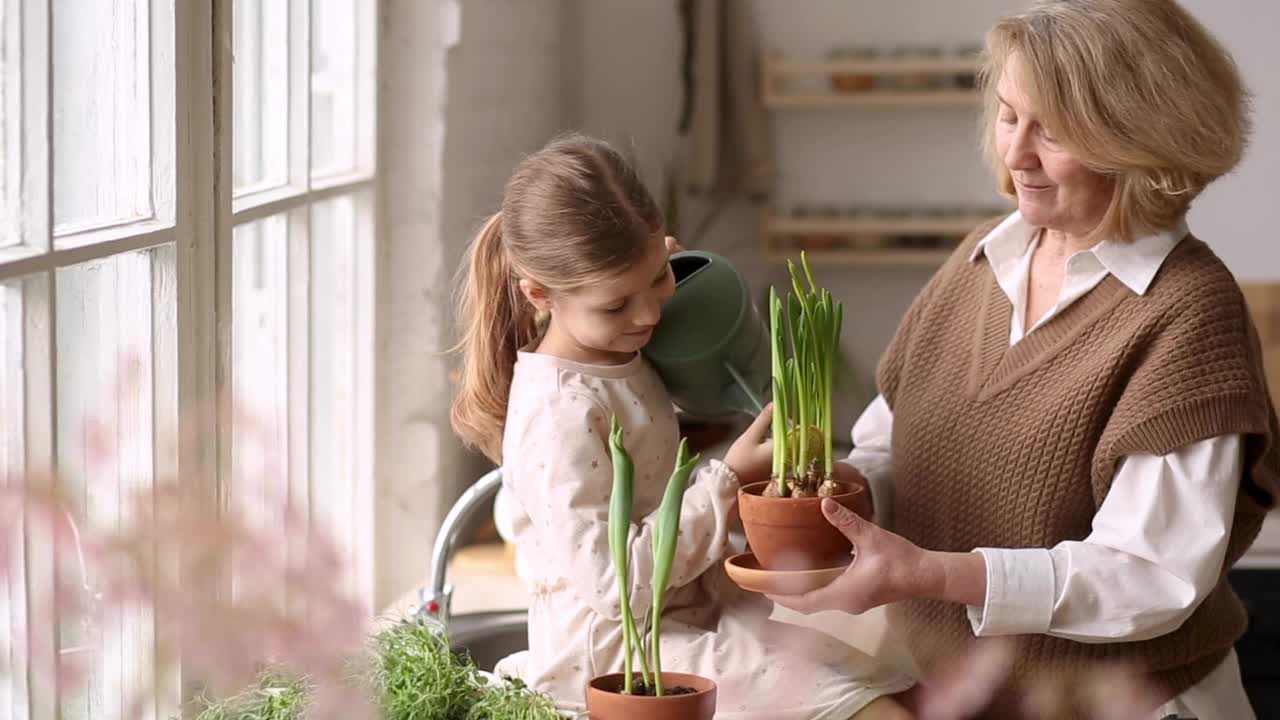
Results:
605 700
792 533
851 82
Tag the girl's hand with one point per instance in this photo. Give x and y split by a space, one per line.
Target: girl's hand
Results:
673 246
751 455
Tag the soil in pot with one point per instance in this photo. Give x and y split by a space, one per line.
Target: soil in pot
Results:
685 697
639 689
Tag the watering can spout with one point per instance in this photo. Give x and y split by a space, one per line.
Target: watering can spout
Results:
711 347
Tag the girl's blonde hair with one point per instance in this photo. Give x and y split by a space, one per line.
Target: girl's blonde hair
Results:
573 213
1137 90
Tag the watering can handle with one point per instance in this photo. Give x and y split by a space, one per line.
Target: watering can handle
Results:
745 387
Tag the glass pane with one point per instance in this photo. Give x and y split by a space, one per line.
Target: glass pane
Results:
7 236
116 345
11 372
260 89
13 590
334 348
334 69
260 382
101 113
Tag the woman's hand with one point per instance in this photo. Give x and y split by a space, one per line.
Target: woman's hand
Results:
846 473
751 455
885 568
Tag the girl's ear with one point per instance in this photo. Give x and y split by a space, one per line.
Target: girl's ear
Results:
536 294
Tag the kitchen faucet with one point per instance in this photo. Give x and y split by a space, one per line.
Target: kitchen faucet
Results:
434 598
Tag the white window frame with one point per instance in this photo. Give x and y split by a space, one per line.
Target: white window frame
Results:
300 192
196 213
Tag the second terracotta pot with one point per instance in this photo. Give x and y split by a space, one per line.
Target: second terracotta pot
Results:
605 700
792 533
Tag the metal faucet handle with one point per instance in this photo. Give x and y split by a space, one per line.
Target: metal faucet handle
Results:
434 604
436 597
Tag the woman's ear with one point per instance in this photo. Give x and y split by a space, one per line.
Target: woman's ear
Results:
536 294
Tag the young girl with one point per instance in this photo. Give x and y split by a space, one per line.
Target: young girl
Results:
564 287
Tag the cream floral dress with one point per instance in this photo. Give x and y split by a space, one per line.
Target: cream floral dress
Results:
557 479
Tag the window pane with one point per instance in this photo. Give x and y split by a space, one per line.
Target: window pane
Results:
9 114
260 383
260 89
6 235
116 346
101 113
335 347
13 598
11 386
26 567
334 68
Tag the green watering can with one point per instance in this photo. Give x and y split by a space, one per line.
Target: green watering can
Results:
711 347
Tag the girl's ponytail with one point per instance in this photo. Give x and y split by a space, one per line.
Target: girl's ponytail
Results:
496 322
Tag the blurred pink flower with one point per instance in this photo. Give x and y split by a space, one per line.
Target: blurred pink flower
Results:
974 681
173 552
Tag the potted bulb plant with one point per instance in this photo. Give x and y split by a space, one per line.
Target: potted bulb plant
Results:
647 691
782 517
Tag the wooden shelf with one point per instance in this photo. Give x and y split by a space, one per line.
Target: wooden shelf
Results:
874 100
777 64
956 225
870 239
880 258
777 70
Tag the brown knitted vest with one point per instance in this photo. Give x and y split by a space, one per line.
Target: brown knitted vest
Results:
999 446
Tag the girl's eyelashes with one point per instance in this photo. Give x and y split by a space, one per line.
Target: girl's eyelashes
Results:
614 309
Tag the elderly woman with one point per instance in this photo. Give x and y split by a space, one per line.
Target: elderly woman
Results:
1073 441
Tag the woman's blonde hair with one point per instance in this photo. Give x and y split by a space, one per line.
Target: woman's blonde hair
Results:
573 213
1137 90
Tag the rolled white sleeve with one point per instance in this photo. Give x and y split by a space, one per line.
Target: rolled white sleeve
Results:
1155 551
871 456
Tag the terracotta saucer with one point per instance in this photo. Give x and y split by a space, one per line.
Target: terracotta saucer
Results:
745 570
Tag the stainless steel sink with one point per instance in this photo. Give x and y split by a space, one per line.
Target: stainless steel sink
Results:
489 636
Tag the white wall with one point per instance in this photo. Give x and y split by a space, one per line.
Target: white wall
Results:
508 94
454 120
1236 215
